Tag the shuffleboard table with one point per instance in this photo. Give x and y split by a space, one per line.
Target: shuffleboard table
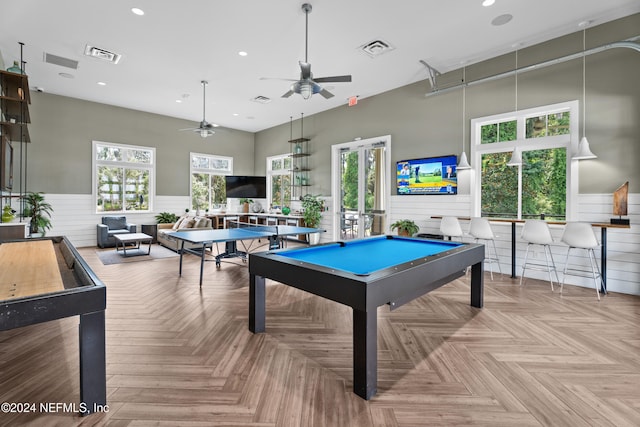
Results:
365 274
47 279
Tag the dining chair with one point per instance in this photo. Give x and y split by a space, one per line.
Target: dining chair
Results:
580 235
537 232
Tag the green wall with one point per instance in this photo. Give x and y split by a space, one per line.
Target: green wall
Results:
62 130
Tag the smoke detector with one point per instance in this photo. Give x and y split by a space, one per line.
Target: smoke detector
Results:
376 48
105 55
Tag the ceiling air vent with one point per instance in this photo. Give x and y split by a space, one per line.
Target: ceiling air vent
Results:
261 99
376 48
105 55
59 60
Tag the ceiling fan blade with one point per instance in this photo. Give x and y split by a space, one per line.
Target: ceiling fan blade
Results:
305 70
288 94
278 78
333 79
326 94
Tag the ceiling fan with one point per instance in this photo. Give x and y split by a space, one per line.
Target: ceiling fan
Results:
205 129
307 85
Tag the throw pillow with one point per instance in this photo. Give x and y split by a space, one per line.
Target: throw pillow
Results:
187 223
176 225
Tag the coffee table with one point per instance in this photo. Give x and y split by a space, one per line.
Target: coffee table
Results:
136 238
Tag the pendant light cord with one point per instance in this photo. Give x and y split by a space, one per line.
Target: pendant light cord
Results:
464 102
584 85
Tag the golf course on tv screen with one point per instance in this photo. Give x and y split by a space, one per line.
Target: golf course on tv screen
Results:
431 175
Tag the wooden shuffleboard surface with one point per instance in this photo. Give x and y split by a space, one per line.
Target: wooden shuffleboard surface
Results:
28 269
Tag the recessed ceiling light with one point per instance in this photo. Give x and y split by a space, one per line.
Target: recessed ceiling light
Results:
487 3
137 11
242 53
235 114
502 19
66 75
179 101
102 84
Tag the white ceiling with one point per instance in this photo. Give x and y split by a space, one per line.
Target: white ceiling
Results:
176 44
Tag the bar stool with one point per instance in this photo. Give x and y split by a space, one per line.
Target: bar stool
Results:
450 227
580 235
480 229
537 232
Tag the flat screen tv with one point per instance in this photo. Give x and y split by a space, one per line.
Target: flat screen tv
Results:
431 175
251 187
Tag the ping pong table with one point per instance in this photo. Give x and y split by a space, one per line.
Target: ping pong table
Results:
200 240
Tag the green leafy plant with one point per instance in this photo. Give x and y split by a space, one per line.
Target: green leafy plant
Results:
39 211
406 227
166 218
245 200
312 207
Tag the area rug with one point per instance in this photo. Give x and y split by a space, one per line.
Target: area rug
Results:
110 256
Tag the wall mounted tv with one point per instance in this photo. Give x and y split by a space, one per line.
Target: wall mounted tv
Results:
251 187
431 175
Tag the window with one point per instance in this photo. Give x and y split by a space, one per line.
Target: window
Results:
124 177
279 180
546 182
207 180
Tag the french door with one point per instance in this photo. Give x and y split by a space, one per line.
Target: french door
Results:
360 188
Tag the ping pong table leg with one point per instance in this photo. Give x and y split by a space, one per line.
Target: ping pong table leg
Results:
204 248
181 253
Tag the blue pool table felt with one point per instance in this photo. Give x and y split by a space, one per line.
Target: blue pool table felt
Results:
366 256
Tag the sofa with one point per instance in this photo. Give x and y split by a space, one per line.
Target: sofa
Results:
110 226
183 223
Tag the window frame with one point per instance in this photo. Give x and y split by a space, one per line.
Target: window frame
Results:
192 170
151 167
568 141
271 172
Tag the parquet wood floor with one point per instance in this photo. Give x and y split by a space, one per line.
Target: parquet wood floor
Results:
181 355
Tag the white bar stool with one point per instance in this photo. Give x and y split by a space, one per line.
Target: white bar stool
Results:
580 235
450 227
480 229
537 232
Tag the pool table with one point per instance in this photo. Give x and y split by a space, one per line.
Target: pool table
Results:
365 274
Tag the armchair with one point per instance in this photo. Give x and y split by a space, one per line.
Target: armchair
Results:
112 225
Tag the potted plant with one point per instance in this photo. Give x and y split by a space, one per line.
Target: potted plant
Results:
406 227
40 213
312 208
166 218
245 204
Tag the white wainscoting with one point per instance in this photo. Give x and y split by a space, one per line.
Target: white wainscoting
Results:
73 218
623 245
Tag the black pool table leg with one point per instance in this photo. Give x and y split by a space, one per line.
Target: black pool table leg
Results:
365 353
257 303
477 285
93 367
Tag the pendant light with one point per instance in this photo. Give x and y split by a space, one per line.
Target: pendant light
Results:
516 156
464 163
584 152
